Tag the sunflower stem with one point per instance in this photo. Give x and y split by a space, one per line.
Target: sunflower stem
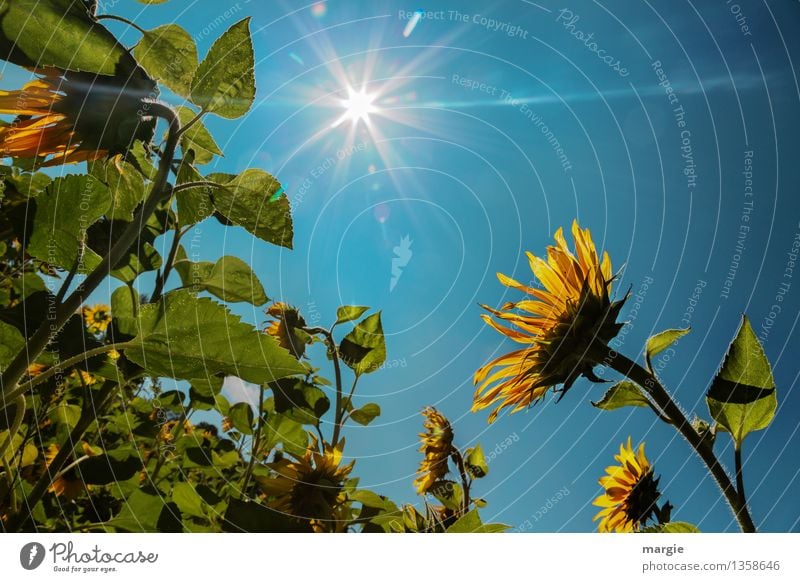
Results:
737 459
256 442
337 425
650 384
120 19
64 310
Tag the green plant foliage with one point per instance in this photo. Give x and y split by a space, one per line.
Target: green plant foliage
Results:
364 348
169 55
197 138
68 206
622 394
672 527
366 414
661 341
742 396
475 462
184 334
224 82
347 313
229 279
471 523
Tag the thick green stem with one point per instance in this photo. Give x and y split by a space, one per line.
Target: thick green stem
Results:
63 311
737 459
19 414
650 384
337 370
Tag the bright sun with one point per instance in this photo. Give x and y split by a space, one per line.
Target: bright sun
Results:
358 106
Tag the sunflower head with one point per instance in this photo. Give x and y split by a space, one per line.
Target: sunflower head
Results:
67 117
97 318
286 327
437 446
310 486
556 325
631 492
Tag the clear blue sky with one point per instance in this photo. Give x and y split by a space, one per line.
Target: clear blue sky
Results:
474 180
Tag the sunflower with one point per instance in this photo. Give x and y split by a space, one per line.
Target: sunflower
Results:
437 446
310 486
286 328
97 318
557 325
75 117
631 492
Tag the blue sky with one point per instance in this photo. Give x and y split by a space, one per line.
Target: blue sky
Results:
461 158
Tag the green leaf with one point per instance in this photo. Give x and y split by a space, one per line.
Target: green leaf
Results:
182 335
364 348
225 82
300 401
449 493
111 467
11 343
203 391
65 415
742 396
232 280
475 462
471 523
197 138
124 309
195 203
125 183
249 200
62 34
64 210
661 341
349 313
169 55
144 511
188 501
620 395
366 414
241 415
280 429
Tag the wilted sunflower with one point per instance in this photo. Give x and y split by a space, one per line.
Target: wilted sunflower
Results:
437 446
310 486
557 324
286 328
631 492
75 117
97 318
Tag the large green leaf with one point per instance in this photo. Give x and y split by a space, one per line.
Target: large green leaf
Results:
125 183
225 82
230 279
299 400
146 511
672 527
124 307
243 516
110 467
241 415
64 210
742 396
620 395
183 336
347 313
475 462
169 55
364 348
661 341
252 200
62 34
